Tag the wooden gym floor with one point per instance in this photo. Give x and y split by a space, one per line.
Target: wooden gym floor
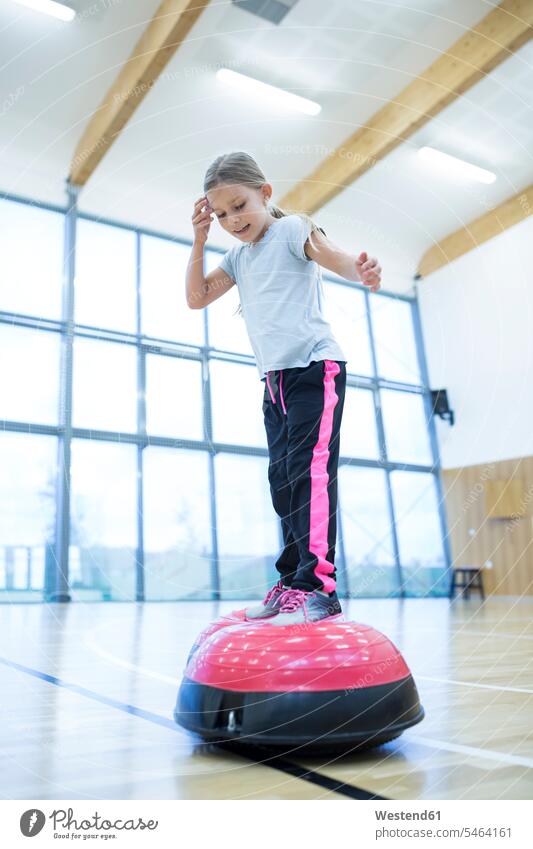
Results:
88 692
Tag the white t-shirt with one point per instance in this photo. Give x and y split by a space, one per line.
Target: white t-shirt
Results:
281 297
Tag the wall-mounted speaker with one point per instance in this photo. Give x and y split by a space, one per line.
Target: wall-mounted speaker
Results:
440 406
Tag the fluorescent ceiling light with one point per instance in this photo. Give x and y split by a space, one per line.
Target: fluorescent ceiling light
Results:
447 164
50 7
277 96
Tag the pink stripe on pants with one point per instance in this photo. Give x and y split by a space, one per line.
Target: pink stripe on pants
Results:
319 519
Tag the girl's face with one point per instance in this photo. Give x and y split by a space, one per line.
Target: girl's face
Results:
241 210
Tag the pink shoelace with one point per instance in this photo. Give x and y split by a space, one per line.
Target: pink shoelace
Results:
277 588
292 600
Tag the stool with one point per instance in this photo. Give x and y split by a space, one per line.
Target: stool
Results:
471 578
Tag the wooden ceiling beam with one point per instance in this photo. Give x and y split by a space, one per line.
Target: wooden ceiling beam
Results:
157 45
503 31
499 219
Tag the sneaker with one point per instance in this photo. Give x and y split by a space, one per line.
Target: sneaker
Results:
269 605
296 607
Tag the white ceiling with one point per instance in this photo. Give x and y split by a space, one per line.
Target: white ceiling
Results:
350 55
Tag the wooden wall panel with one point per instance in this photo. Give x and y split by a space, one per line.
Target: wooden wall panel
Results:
475 537
505 499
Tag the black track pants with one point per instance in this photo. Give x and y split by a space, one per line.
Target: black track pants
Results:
302 410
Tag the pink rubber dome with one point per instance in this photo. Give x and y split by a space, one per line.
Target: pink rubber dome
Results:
328 655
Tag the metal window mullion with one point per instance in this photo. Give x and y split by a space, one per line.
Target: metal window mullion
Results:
343 571
141 430
57 582
208 437
419 340
383 447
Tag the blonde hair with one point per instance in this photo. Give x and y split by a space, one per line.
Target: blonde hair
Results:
239 168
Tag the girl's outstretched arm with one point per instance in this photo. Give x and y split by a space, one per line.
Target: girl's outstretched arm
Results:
362 268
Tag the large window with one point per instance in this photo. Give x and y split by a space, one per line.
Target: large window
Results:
236 404
164 312
29 374
419 533
174 397
103 527
367 532
32 260
247 531
394 340
345 308
104 385
161 407
105 291
178 547
359 435
406 427
27 513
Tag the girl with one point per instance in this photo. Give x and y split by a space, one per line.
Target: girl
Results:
276 267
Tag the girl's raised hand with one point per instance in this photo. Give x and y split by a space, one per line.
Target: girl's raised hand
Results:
369 271
201 219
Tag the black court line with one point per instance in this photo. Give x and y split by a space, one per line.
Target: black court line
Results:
244 751
284 765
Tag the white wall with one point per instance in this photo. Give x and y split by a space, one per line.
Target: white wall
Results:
477 322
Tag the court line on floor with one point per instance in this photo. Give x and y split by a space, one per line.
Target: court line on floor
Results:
489 754
461 632
464 633
274 762
307 774
91 694
474 684
91 643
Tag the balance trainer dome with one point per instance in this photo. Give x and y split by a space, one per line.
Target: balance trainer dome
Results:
330 684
